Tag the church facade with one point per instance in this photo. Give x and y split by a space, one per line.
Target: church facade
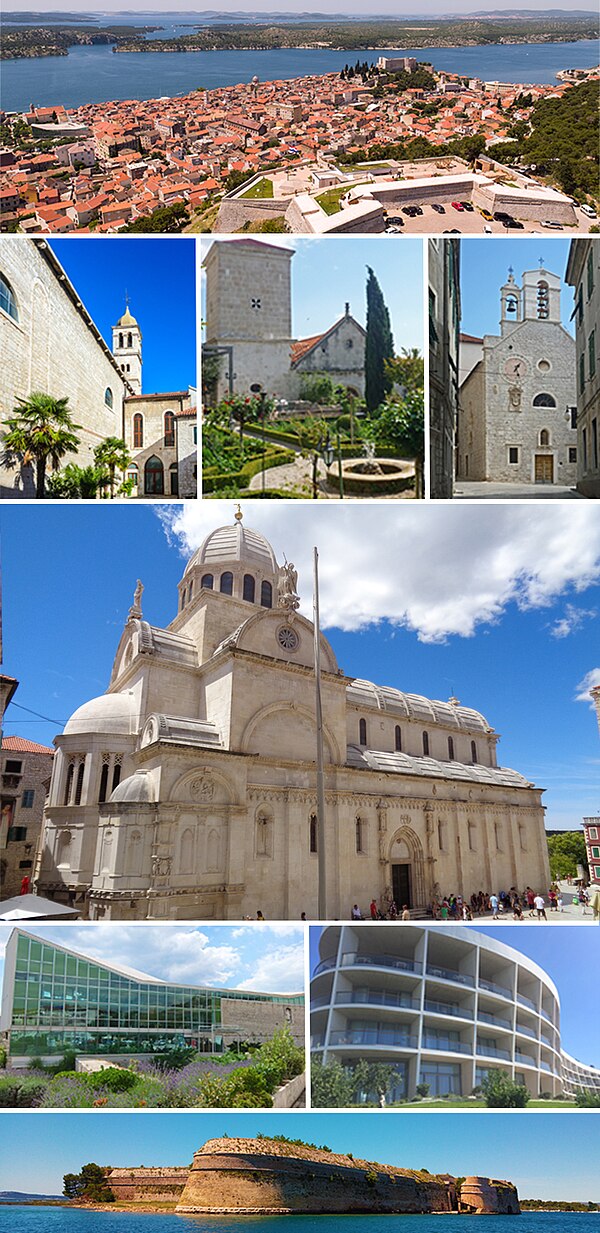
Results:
517 420
50 344
249 325
188 789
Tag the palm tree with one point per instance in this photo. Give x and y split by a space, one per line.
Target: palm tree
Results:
39 429
112 453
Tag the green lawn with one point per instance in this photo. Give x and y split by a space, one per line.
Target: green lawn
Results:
262 189
423 1105
330 201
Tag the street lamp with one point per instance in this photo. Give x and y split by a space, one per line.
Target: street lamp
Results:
324 449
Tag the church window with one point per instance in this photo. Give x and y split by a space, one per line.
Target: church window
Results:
398 738
544 400
108 397
451 749
359 827
473 752
426 744
513 454
212 852
7 299
266 595
69 784
255 302
544 365
190 590
169 429
138 431
129 340
442 836
154 477
544 437
103 781
120 340
312 833
186 852
174 479
79 782
226 583
349 344
362 731
249 588
207 581
183 595
264 834
116 779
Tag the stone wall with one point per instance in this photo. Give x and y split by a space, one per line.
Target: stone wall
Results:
21 815
148 1185
483 1195
259 1020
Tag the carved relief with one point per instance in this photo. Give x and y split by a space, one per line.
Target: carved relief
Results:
202 788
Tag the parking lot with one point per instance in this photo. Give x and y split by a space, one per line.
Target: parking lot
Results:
473 223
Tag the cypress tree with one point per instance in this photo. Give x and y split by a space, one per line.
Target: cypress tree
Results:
379 345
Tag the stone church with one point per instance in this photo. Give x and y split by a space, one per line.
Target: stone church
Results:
249 325
49 343
517 418
188 789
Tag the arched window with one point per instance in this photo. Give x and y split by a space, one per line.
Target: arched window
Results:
213 852
103 782
7 299
207 581
154 477
138 431
186 852
133 474
362 731
134 854
130 340
312 833
544 437
108 397
169 427
120 340
451 748
359 832
264 837
190 590
79 783
473 751
226 583
398 738
116 779
63 852
266 595
183 595
544 400
69 784
249 588
426 744
441 835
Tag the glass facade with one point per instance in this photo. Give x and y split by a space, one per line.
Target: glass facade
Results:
88 1002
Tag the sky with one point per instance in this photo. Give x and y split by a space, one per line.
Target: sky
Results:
480 299
567 955
328 272
528 1149
158 275
269 959
501 611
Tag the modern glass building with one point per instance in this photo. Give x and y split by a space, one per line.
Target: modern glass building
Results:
54 1000
444 1005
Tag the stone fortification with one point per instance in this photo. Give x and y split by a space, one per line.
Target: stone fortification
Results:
148 1185
483 1195
262 1176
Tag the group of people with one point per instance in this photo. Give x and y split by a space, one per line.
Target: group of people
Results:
521 904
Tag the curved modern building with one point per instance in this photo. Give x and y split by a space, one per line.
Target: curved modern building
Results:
445 1006
54 1000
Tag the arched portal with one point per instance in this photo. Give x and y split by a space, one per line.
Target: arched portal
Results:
406 876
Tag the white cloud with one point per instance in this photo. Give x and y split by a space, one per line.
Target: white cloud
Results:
439 570
167 952
572 620
278 971
590 679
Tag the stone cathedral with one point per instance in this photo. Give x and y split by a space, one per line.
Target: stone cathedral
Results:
249 325
187 790
517 420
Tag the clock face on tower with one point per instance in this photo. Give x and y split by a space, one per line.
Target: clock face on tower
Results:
288 638
515 367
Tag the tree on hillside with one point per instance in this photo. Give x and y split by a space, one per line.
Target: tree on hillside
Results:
40 430
379 346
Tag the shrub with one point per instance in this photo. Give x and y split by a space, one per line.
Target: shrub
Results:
499 1091
22 1091
422 1090
114 1079
587 1100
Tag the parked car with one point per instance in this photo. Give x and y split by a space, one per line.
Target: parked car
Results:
548 222
439 209
512 224
585 209
466 205
457 205
487 230
489 218
452 231
395 219
394 230
500 216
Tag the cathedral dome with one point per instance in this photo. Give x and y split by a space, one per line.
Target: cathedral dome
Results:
136 789
109 713
235 544
127 319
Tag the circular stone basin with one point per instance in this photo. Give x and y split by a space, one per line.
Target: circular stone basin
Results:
373 476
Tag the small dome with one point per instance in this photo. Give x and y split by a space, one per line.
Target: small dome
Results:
127 318
234 543
137 788
109 713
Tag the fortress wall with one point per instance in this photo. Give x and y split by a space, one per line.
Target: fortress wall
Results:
142 1185
484 1195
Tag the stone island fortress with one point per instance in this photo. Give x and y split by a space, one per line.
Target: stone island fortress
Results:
269 1177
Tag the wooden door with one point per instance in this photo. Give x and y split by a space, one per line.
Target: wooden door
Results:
544 469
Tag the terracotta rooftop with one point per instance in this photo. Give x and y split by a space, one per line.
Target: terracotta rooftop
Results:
301 348
18 744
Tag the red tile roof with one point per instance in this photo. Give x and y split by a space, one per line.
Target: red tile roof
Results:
300 349
18 744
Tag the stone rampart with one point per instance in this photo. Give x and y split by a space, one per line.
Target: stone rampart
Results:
483 1195
148 1185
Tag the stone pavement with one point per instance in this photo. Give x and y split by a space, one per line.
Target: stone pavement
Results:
484 490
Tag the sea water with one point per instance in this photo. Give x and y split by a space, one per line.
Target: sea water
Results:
97 74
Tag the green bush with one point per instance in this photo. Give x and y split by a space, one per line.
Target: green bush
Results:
587 1100
114 1079
499 1091
242 477
422 1090
21 1091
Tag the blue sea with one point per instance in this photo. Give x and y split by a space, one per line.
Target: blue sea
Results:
97 74
64 1220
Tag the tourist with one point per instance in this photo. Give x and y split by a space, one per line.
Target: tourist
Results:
373 910
552 899
517 909
405 912
559 901
540 907
259 915
356 913
495 905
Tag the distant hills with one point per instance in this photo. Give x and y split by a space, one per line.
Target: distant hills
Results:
245 15
20 1196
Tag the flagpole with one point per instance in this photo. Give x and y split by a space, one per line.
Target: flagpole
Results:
321 855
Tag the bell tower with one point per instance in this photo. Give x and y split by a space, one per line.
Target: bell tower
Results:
511 305
541 296
127 348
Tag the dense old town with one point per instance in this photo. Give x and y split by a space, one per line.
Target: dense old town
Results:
100 167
